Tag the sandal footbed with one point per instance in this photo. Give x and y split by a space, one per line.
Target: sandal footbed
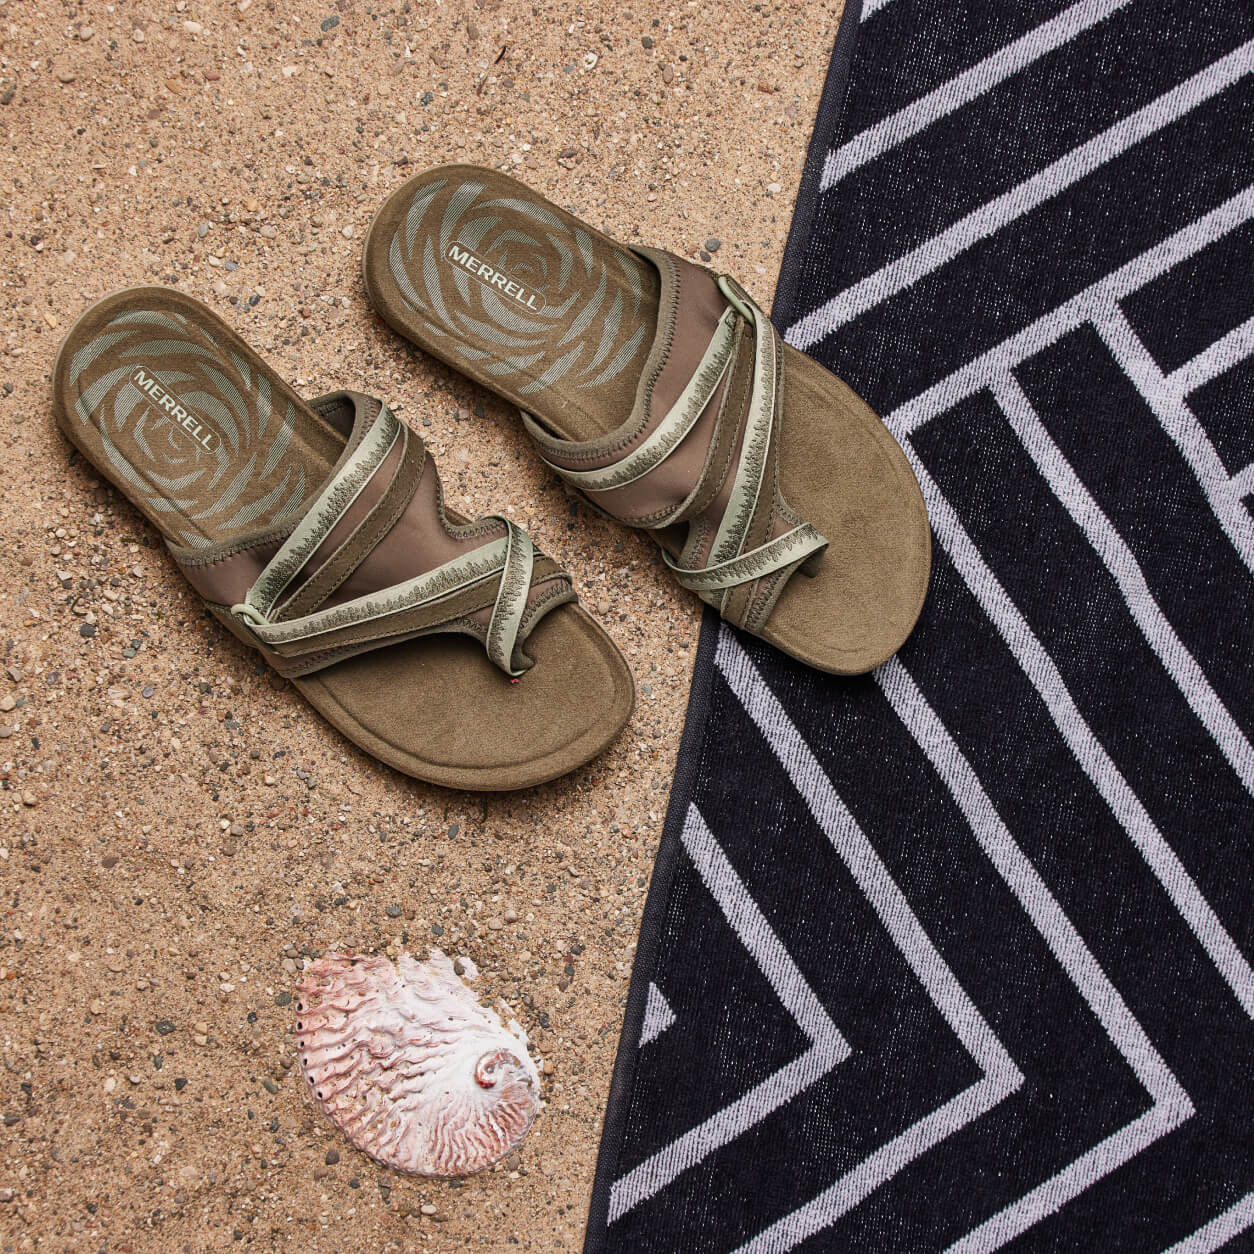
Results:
839 469
432 682
435 707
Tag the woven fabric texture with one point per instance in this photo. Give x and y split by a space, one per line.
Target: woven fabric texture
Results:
960 956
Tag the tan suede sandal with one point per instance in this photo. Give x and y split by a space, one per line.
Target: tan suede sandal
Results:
661 392
317 533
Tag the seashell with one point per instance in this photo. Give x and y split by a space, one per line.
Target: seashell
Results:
410 1067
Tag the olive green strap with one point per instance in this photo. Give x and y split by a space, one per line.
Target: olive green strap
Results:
511 597
747 484
666 436
509 558
728 564
791 549
331 504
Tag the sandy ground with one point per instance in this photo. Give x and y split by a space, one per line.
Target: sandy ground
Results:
177 829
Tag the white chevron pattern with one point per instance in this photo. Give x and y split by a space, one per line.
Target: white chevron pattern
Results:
994 373
828 1048
1224 488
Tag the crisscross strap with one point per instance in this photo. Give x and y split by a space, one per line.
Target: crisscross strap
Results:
737 557
495 585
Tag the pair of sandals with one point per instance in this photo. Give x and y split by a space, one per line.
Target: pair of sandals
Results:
454 650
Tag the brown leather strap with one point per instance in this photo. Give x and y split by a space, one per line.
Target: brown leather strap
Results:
392 566
378 521
715 471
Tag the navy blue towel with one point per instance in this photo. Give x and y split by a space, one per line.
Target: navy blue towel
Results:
960 955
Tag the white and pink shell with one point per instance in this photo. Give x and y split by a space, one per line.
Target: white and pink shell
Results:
410 1067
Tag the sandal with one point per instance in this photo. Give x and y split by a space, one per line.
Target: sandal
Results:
316 532
662 394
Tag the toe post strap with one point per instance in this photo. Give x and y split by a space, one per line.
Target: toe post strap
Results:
794 549
722 426
510 607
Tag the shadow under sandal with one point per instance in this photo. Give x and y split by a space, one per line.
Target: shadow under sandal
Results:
317 533
661 392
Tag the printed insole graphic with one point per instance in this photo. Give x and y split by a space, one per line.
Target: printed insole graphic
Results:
206 440
550 311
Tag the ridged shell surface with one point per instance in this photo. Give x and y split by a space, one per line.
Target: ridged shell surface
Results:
410 1067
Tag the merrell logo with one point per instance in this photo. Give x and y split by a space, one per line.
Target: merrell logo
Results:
196 428
491 277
